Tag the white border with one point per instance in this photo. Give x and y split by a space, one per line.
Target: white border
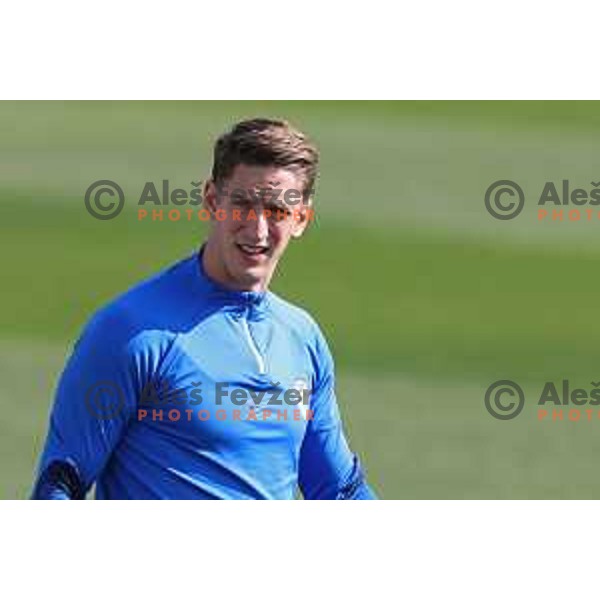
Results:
119 49
394 549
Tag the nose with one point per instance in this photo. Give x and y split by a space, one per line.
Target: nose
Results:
259 228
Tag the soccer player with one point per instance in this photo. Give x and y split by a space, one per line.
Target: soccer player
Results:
210 332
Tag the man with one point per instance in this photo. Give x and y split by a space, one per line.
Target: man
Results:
209 332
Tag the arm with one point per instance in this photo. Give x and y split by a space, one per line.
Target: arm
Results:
94 401
328 469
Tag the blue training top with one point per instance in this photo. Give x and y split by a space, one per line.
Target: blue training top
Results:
184 389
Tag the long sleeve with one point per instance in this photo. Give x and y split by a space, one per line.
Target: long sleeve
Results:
94 401
328 469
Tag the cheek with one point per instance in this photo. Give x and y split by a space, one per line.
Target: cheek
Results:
281 235
228 228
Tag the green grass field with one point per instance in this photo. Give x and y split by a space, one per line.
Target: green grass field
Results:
426 299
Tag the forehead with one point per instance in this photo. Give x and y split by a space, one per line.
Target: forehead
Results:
253 176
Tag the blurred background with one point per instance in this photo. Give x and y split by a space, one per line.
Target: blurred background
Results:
425 298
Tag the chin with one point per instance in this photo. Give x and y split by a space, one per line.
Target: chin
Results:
250 277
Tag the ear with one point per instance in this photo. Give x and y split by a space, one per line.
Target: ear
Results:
210 197
303 215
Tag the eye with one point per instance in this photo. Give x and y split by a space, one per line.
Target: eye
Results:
241 204
282 208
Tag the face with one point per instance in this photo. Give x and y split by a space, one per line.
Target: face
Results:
242 252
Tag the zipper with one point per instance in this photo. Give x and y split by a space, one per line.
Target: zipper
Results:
260 361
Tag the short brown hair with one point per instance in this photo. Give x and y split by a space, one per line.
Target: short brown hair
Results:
266 142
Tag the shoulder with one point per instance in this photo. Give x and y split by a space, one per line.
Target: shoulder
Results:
301 323
162 300
296 317
155 309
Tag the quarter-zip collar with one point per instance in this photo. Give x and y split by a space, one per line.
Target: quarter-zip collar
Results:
249 304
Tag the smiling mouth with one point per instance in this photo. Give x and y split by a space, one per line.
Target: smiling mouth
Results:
253 250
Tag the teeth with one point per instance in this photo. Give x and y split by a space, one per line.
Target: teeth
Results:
252 249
